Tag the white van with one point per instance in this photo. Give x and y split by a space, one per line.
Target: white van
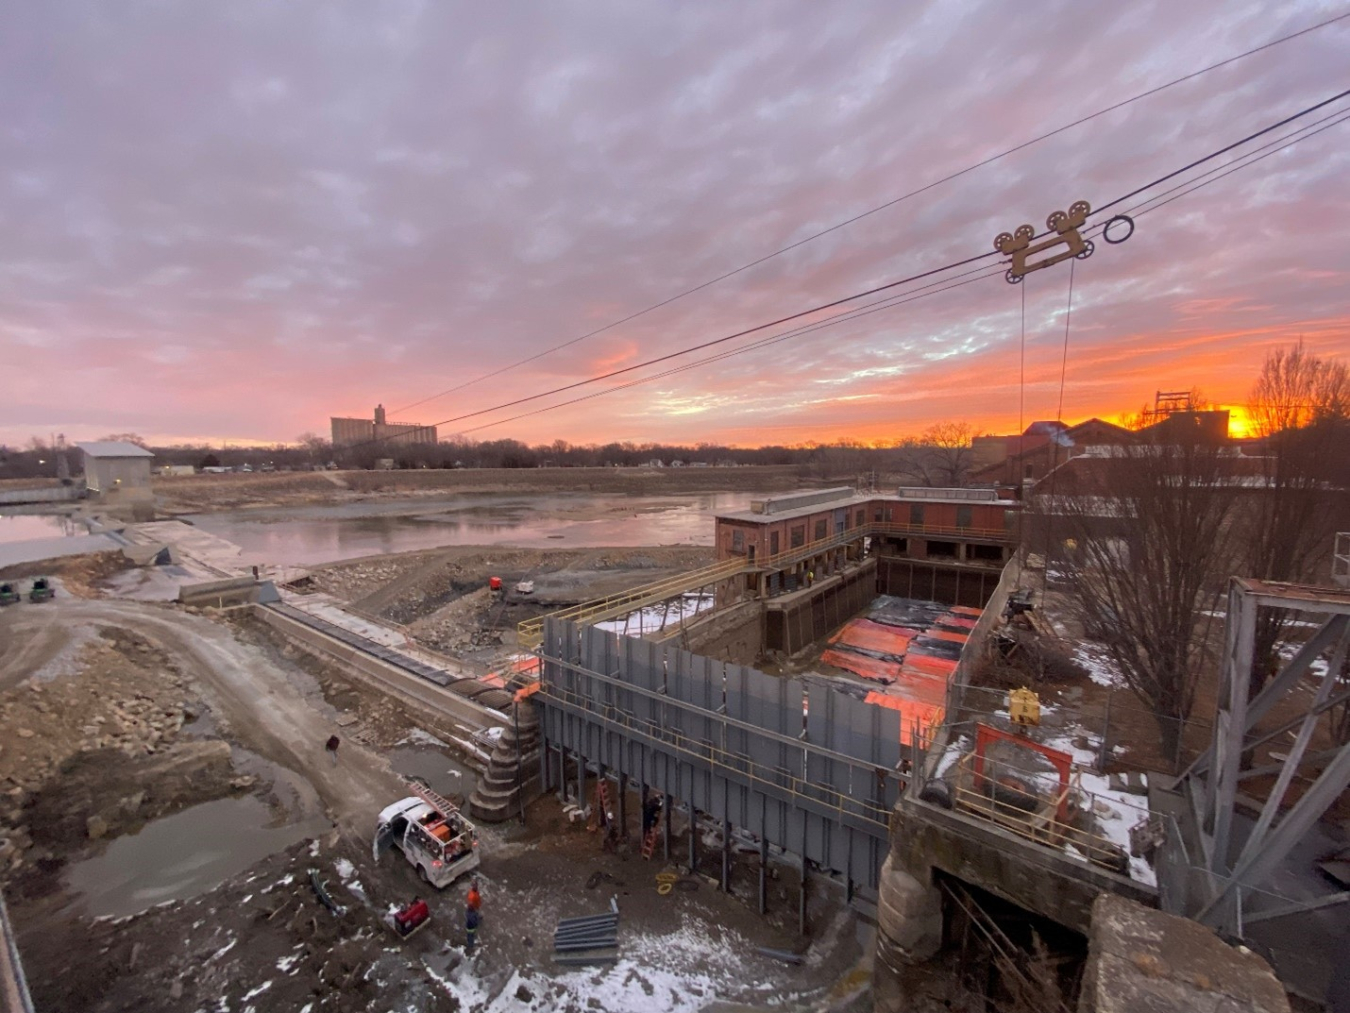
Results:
432 835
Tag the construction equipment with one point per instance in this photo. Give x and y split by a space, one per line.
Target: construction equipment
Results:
41 590
9 596
432 835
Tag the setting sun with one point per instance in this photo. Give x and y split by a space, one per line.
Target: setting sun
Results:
1240 425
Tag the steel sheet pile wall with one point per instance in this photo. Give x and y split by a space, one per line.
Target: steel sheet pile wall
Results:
803 766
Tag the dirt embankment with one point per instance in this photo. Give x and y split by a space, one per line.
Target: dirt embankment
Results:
442 595
97 750
201 493
79 575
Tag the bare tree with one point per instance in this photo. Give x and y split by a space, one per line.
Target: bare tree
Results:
1150 528
950 450
135 438
1300 406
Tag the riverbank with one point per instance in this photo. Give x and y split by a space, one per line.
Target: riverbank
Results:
204 493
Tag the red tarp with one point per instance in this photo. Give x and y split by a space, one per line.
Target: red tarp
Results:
866 635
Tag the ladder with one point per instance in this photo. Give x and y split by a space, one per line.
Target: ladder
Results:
649 842
601 815
444 806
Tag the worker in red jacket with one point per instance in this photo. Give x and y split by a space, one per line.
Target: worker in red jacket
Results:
475 900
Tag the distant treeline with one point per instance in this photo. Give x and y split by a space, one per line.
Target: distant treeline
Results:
925 463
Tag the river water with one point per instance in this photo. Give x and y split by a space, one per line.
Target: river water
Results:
302 536
23 527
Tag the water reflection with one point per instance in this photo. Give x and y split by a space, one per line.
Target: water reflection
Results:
309 535
16 527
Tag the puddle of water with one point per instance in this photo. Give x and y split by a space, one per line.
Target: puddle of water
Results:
308 535
445 774
25 527
183 855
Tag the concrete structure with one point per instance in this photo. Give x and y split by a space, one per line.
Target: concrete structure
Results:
936 523
804 550
1141 959
347 432
116 469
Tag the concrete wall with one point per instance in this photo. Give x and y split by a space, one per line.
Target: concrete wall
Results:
1141 959
120 475
793 622
46 494
950 584
442 707
731 634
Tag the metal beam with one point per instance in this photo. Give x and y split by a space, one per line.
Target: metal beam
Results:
1257 865
1286 679
1230 726
1296 751
1297 907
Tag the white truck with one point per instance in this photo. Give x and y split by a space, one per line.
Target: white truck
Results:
432 835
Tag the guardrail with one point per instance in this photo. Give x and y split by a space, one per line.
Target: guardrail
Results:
1000 794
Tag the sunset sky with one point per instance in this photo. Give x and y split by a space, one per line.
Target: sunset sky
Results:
231 221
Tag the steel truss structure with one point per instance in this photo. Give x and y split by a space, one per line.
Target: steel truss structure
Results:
1235 867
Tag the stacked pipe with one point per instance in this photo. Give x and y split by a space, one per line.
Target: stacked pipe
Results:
588 939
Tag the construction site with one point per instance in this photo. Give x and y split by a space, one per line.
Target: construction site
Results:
797 677
798 766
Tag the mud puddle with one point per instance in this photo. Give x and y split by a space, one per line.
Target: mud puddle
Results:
445 773
183 855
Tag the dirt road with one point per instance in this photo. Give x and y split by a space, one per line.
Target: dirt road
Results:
266 706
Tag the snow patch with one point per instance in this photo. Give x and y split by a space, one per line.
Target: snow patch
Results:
1100 668
420 737
257 991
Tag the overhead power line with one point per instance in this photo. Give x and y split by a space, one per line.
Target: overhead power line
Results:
890 286
880 207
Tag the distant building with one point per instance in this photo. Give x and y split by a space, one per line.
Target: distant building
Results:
347 432
113 468
1043 446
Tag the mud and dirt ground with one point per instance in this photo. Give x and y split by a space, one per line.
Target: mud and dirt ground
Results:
144 710
443 599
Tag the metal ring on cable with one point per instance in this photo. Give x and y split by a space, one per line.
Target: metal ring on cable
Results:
1106 229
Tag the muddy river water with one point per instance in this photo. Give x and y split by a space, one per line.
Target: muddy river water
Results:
307 535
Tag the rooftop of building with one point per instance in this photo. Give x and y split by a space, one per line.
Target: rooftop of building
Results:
765 511
113 448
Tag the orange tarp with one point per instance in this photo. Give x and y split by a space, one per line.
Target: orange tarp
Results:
866 635
912 712
861 664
